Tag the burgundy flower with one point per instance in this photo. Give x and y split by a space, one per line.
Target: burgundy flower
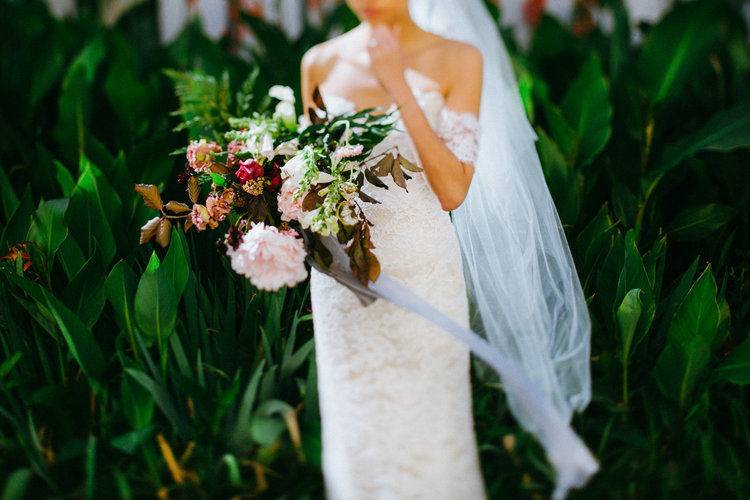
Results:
249 170
275 178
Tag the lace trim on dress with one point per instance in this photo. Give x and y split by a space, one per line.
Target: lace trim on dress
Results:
460 131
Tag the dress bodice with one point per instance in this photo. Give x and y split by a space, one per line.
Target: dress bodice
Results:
459 130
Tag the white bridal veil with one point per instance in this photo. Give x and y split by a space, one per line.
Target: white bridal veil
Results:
517 264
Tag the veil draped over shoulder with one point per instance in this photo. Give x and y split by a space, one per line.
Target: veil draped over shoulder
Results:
519 271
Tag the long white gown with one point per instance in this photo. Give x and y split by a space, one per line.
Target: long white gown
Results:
394 390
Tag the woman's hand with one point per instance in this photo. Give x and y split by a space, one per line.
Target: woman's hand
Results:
385 56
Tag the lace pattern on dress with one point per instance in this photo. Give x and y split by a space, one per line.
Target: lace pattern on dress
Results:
460 131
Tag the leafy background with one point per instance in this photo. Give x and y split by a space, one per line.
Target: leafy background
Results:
133 371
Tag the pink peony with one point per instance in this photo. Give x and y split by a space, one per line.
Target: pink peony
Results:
290 209
270 258
249 170
200 155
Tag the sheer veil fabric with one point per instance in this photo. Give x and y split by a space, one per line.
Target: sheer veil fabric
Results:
518 267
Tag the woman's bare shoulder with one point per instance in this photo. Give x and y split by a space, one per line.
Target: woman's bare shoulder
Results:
324 54
464 57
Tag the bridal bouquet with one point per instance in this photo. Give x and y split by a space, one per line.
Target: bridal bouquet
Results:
278 185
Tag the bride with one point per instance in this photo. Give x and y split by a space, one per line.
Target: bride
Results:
475 234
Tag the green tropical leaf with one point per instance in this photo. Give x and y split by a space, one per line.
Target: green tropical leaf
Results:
588 110
696 223
156 305
176 266
78 337
736 367
677 46
120 287
689 338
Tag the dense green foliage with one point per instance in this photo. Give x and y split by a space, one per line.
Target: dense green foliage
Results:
134 371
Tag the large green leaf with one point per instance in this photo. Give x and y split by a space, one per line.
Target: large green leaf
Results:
696 223
175 266
594 241
156 304
47 228
162 399
84 295
120 287
8 197
78 337
86 217
727 130
564 181
628 315
588 110
634 276
677 46
74 104
19 221
95 181
689 339
138 404
736 368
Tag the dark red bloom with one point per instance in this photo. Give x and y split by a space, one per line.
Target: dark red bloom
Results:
275 178
249 170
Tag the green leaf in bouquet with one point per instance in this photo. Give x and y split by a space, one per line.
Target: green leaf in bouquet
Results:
218 179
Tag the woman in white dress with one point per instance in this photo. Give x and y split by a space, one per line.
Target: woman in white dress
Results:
394 389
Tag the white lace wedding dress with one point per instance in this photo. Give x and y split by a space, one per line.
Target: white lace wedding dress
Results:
394 390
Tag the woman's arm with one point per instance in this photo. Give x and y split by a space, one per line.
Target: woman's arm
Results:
448 177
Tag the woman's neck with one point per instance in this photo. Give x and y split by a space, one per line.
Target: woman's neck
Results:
411 37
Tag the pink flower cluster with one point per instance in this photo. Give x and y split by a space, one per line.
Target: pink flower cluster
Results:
269 258
290 209
200 155
348 151
214 211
